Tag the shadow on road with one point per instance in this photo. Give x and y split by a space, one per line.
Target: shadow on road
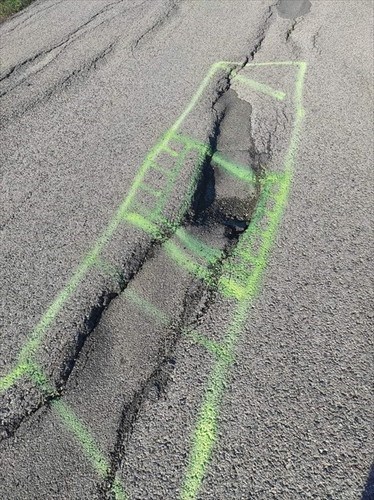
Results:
368 493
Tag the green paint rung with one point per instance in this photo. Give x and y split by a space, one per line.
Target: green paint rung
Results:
147 306
143 223
170 151
198 247
160 168
234 169
148 189
215 348
185 261
261 87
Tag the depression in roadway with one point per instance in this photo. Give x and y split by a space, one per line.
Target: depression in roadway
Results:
186 241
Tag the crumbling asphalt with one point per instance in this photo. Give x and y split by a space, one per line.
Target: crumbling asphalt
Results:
123 367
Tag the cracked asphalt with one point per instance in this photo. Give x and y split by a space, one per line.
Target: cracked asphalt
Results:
124 369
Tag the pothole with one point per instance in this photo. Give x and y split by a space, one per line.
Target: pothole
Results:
222 197
290 9
221 210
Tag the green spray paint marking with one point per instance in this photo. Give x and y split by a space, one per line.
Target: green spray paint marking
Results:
196 246
85 439
123 213
206 428
77 429
88 444
146 307
242 173
185 261
261 87
205 432
25 364
213 347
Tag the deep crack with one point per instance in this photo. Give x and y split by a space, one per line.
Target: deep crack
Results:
262 32
209 206
206 211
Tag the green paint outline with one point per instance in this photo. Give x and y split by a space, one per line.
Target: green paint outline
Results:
215 348
205 431
26 365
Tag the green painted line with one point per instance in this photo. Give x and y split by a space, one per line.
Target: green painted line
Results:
88 444
190 143
74 425
147 307
185 262
215 348
163 198
261 87
170 151
118 491
236 170
160 168
206 428
205 433
198 247
148 189
271 177
143 223
15 374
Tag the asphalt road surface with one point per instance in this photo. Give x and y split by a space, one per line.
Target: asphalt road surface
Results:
187 233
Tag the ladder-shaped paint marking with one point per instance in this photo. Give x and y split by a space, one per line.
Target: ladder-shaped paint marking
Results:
152 216
154 221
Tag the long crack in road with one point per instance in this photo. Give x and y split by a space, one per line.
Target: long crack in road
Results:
186 243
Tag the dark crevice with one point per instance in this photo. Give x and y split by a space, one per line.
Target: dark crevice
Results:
93 317
262 32
207 210
291 29
314 40
153 388
90 323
